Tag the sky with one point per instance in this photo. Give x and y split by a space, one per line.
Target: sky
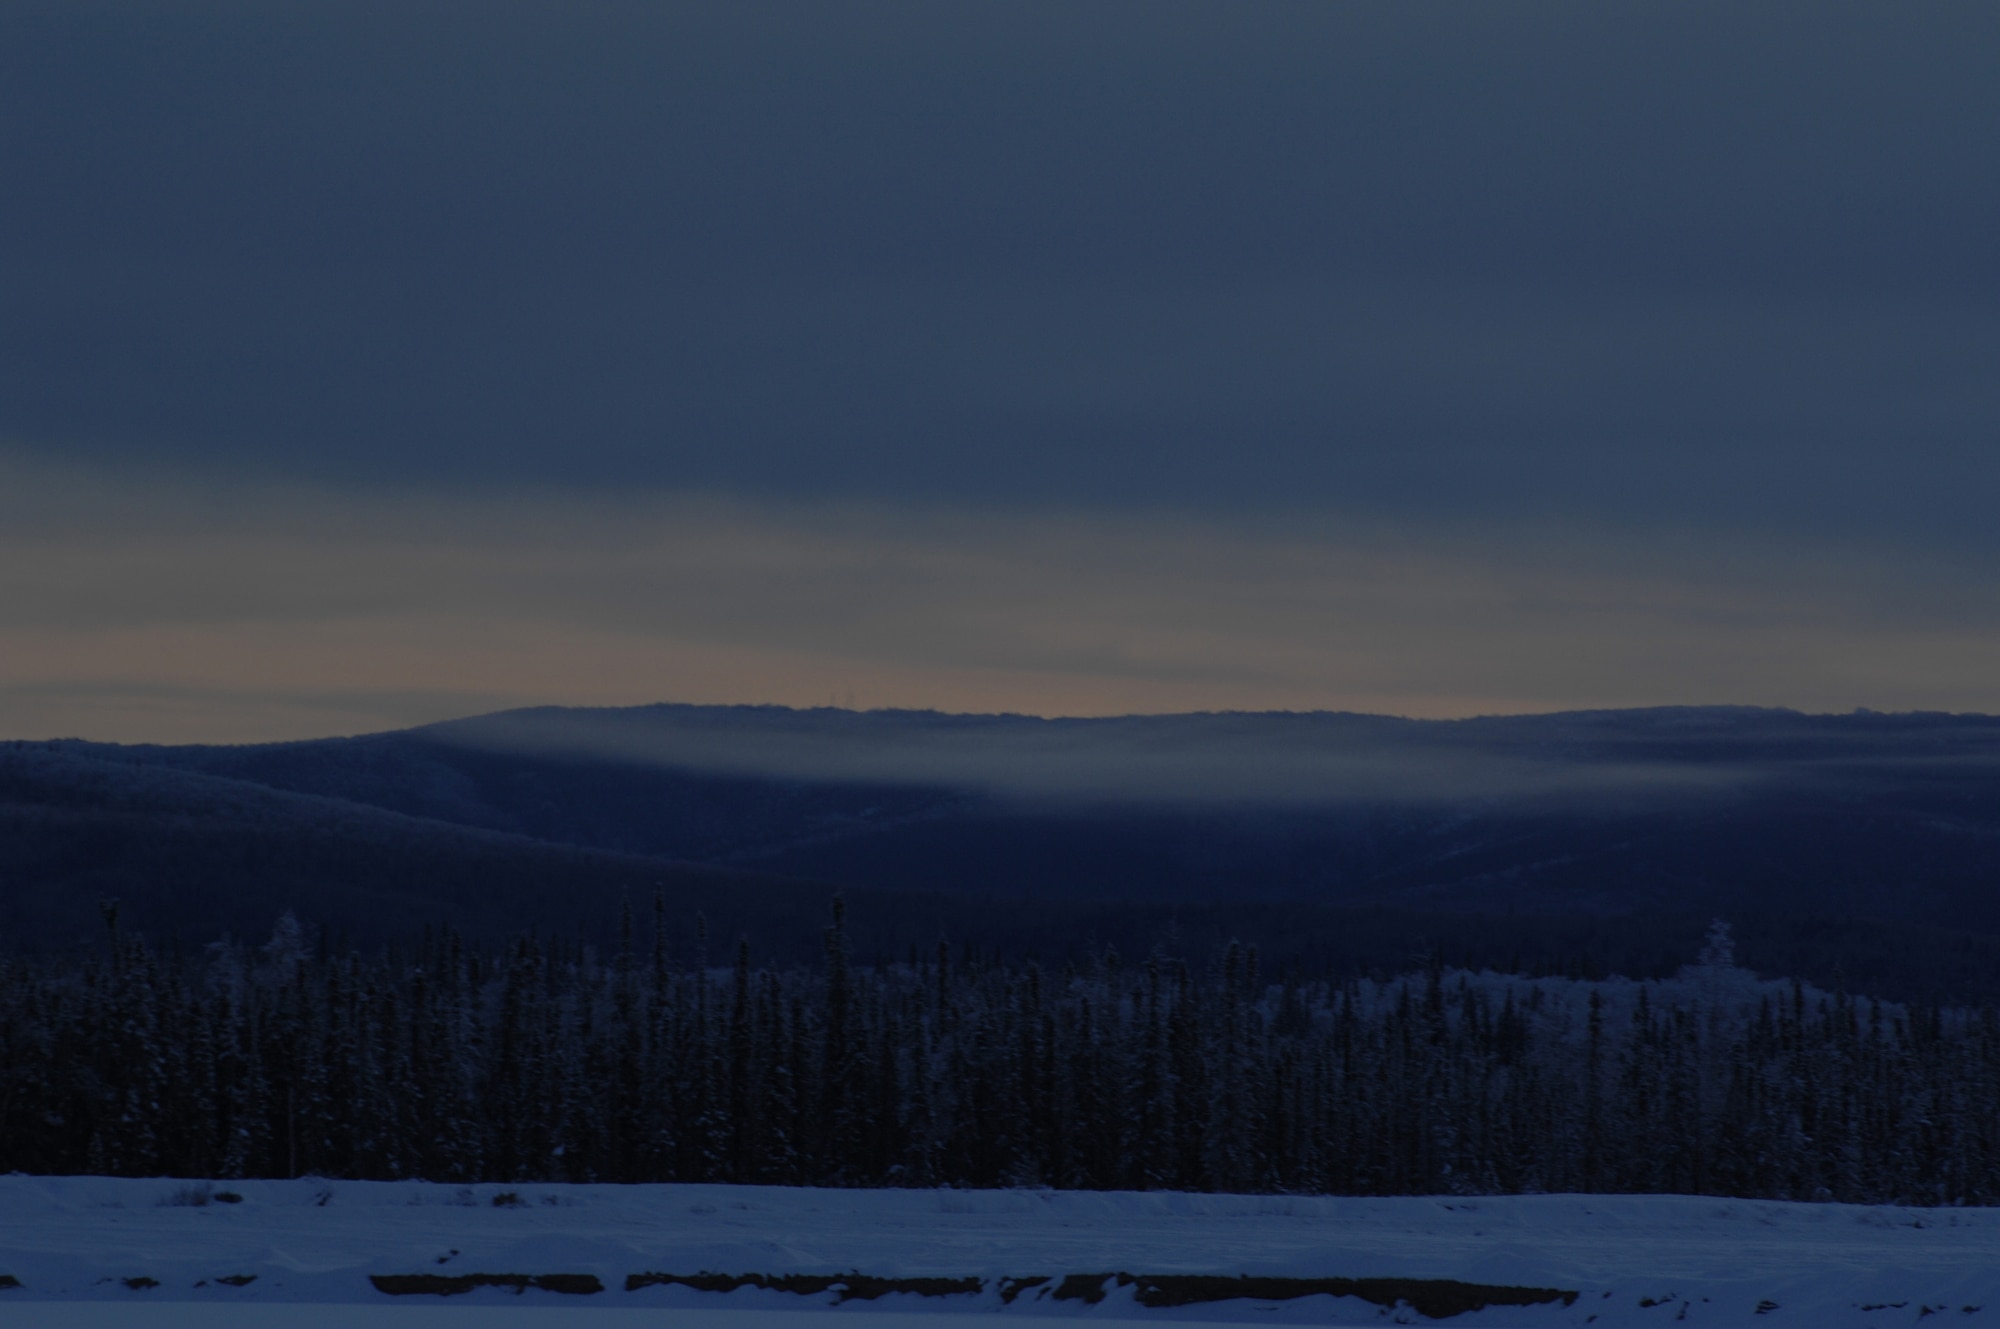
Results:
369 364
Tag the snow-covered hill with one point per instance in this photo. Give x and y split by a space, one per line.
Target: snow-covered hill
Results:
1628 1260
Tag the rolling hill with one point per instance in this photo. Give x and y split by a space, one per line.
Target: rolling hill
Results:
1863 847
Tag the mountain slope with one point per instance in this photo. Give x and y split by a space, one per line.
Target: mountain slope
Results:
1856 845
1606 813
200 855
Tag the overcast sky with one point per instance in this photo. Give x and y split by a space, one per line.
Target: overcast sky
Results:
365 364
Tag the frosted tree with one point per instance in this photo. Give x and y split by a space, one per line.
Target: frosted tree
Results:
1718 949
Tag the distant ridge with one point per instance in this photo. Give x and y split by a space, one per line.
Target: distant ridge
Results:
1864 843
199 855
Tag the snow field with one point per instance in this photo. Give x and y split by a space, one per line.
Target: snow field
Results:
311 1246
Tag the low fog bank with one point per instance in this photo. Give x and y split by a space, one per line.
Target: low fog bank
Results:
1270 758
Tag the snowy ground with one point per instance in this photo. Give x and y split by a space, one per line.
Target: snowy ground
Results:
84 1250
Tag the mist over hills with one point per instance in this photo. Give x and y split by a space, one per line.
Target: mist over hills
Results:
1863 848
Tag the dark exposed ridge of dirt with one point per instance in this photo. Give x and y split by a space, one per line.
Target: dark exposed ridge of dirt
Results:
8 1280
850 1287
1433 1298
1086 1288
1010 1288
451 1285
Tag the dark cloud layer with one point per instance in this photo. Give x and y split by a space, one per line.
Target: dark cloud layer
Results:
1684 263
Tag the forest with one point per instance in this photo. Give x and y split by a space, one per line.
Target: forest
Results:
545 1060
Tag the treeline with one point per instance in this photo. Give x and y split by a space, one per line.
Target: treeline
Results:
549 1062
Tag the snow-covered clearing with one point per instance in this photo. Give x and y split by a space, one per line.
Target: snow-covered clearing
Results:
136 1251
